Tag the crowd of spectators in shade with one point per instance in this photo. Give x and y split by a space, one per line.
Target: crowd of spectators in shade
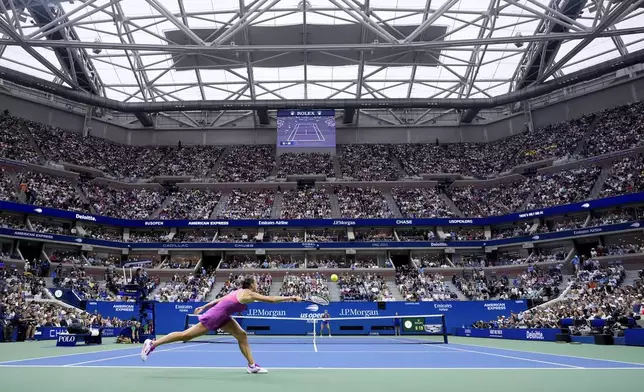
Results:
421 203
191 204
305 285
564 187
363 203
306 163
325 235
519 230
14 142
245 164
234 281
464 233
248 204
614 130
368 162
194 161
309 203
502 199
363 287
626 176
134 203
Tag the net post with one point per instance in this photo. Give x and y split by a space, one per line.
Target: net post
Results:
444 328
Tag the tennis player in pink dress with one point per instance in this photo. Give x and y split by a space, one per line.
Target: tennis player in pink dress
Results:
218 316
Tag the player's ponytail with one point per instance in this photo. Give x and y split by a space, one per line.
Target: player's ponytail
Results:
248 282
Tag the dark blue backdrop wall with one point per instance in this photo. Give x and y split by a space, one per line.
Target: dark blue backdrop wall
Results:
172 316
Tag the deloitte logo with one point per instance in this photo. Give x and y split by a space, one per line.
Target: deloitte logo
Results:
312 308
534 335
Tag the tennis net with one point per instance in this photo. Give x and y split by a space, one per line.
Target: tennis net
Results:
410 329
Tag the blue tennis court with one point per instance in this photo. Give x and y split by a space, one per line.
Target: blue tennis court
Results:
277 356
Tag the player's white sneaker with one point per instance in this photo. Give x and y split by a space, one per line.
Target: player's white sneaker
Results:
255 369
146 350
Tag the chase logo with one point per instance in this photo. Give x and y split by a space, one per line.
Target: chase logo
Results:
312 308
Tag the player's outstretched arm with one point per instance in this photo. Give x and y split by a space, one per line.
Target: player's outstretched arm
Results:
207 306
251 296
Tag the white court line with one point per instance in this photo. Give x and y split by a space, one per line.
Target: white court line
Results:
513 357
293 132
504 356
69 355
319 133
554 355
126 356
306 368
363 352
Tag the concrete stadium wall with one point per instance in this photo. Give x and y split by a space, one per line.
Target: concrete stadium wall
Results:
623 92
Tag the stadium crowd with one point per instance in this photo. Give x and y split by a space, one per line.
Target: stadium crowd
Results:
305 163
305 285
416 285
363 203
596 292
363 287
310 203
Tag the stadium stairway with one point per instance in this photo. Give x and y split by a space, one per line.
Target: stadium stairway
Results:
162 161
223 201
582 142
337 169
84 197
335 205
163 205
396 162
529 199
393 289
393 207
219 284
217 164
27 131
631 277
453 289
601 179
334 292
450 203
276 209
276 286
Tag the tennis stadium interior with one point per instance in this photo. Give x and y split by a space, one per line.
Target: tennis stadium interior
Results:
455 188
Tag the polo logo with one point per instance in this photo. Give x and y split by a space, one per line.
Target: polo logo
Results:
67 338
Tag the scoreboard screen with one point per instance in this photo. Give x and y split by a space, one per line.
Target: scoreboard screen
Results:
420 325
305 128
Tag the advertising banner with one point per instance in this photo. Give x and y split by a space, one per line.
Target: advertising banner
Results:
321 245
634 337
494 220
545 335
171 316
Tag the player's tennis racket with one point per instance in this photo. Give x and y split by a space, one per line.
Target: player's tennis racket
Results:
316 299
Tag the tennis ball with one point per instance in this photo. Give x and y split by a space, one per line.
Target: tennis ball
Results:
334 278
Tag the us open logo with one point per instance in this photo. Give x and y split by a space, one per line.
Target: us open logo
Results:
312 308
